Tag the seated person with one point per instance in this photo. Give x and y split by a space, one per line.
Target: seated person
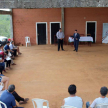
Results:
9 96
4 80
7 48
101 100
12 48
73 100
2 63
15 47
8 59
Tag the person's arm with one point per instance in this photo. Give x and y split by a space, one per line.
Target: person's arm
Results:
63 102
14 103
93 104
63 35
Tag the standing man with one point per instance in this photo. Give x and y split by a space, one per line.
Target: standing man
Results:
60 37
76 37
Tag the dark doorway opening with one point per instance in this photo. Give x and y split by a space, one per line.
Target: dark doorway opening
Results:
41 33
54 29
91 30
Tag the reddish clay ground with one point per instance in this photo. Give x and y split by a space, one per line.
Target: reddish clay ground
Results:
43 72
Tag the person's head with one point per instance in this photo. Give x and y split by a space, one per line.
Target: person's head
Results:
11 88
60 29
72 89
12 42
103 91
75 31
8 42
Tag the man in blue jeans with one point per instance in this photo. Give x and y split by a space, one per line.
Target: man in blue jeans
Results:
8 98
101 100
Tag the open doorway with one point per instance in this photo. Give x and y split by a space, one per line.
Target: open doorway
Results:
54 28
91 29
41 33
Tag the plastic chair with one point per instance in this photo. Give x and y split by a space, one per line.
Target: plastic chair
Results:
66 106
27 40
101 105
2 104
39 103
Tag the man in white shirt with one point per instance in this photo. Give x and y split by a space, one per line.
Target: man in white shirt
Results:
60 37
101 100
73 100
12 46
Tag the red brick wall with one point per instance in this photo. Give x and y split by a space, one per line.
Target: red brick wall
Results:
24 22
74 19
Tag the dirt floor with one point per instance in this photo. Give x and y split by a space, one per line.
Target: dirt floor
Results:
43 72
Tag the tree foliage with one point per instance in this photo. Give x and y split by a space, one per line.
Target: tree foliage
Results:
5 28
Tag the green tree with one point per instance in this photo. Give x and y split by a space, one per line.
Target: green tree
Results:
5 28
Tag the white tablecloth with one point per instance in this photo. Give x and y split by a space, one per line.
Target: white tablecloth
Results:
82 39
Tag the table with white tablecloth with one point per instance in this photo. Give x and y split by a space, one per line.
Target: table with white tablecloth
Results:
82 39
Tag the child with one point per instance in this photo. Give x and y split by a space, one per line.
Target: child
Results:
8 59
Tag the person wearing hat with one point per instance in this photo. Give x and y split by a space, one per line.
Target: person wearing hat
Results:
8 97
101 100
73 100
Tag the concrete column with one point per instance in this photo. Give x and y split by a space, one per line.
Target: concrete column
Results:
11 25
62 19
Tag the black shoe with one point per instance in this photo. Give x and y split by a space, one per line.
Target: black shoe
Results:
74 50
63 50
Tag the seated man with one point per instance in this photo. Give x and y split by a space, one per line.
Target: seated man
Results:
73 100
101 100
9 96
15 47
12 48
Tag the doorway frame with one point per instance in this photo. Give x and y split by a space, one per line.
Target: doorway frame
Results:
95 28
37 33
50 29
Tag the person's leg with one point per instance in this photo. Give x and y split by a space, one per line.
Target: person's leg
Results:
87 104
5 80
17 97
58 44
62 44
18 50
75 44
20 99
9 63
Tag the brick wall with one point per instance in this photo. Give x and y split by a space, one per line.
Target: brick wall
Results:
74 19
24 21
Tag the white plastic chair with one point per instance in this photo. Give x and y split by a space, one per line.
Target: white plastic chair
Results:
66 106
27 40
39 103
1 103
101 105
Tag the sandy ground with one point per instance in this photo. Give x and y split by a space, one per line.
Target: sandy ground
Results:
43 72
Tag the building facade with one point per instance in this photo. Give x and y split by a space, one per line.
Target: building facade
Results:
41 24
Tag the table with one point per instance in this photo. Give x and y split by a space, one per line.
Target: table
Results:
82 39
